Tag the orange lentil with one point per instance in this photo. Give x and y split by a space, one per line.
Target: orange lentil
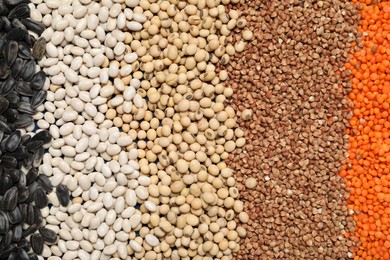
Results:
367 169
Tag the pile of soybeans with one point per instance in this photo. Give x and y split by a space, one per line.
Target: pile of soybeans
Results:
194 129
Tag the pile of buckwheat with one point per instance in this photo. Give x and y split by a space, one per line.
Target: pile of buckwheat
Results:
289 91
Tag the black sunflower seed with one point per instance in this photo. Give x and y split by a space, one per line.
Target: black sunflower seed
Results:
7 239
4 71
30 230
40 198
20 11
38 80
48 235
8 161
24 89
13 256
15 22
22 254
25 139
11 114
31 176
5 184
24 194
36 242
32 146
28 71
28 161
11 199
7 86
17 67
16 34
10 52
15 2
17 232
4 103
23 210
23 121
14 174
45 183
7 250
24 244
30 214
22 181
15 216
37 216
44 136
37 157
63 195
39 48
24 51
3 10
34 26
13 141
6 24
25 107
4 223
38 98
33 257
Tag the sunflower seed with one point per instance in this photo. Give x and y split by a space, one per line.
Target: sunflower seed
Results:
25 107
22 181
11 199
29 70
4 223
30 214
8 161
38 98
13 256
14 174
5 184
23 88
15 22
48 235
4 103
37 216
15 216
24 194
39 49
17 67
7 86
36 242
22 254
13 141
31 176
24 51
20 11
17 232
32 146
44 136
10 52
45 183
4 71
15 2
23 121
30 230
63 195
40 198
34 26
4 127
38 80
7 239
7 250
16 34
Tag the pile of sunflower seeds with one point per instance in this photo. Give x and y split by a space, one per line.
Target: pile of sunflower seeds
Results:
23 191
